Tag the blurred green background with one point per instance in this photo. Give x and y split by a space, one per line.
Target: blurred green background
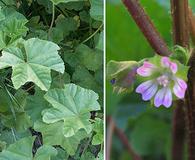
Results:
148 128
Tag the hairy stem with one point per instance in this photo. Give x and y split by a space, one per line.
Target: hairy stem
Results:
190 98
146 26
192 25
178 131
179 10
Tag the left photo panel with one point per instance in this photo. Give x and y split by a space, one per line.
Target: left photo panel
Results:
51 80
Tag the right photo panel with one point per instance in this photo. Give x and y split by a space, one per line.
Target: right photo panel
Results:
150 79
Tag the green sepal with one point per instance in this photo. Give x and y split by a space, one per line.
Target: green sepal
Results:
180 54
123 74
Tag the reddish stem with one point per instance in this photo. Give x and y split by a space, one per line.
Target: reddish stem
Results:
179 10
190 98
123 138
178 131
147 27
192 25
109 135
126 144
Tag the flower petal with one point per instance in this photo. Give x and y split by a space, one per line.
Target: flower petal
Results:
150 92
144 86
167 98
159 97
173 67
165 61
146 69
179 88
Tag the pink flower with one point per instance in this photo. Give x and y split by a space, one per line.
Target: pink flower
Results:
162 86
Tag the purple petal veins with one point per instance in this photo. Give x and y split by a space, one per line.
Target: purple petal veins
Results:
167 98
150 92
158 99
144 86
149 88
179 88
163 97
146 69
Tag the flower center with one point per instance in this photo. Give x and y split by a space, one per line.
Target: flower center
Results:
163 80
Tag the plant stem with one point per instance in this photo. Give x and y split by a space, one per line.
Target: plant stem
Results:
125 142
192 25
52 20
109 138
190 98
13 133
181 37
93 34
179 10
178 131
146 26
123 138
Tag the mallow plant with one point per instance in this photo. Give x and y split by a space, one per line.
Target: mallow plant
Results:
51 80
165 80
160 80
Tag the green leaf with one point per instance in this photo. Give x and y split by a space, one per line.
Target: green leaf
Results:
34 63
96 10
8 2
98 126
84 78
100 44
63 1
12 26
100 156
87 155
8 15
62 155
66 25
10 136
22 150
149 136
71 105
57 1
53 134
21 122
15 116
91 59
58 80
56 35
45 152
2 145
35 105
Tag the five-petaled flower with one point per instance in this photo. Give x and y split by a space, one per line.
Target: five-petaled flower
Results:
163 84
